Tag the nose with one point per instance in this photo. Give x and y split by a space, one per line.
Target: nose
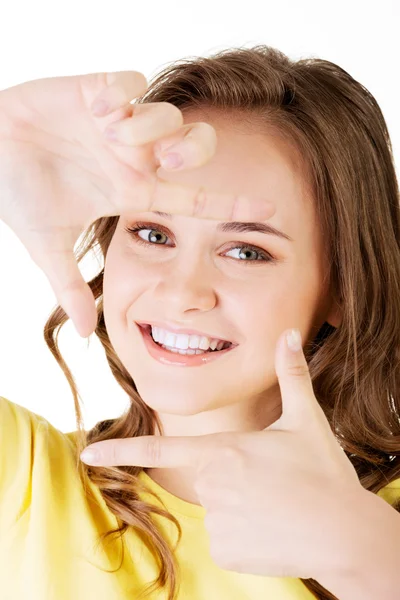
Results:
187 288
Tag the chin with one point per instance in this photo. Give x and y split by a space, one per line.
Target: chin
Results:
183 403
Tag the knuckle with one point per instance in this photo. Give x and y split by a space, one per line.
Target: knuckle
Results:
165 118
173 112
110 78
157 122
227 450
200 202
115 455
298 370
235 208
199 144
153 451
132 83
153 192
230 453
137 82
206 134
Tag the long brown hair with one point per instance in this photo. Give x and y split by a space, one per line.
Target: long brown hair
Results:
340 131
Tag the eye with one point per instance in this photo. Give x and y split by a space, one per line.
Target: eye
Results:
144 228
158 233
246 250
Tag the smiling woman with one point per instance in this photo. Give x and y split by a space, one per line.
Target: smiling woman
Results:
327 262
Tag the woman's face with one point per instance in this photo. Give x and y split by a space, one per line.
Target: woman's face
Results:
192 275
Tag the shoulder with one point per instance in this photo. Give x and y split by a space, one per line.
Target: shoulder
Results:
391 492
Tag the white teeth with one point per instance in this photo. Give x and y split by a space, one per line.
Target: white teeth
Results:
204 343
183 341
194 341
189 351
169 339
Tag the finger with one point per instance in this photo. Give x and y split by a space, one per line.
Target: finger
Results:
162 123
148 451
165 196
118 89
196 143
148 123
295 384
65 278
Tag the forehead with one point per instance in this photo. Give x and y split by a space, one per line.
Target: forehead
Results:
251 162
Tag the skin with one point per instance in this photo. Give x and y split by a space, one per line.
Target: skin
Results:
195 278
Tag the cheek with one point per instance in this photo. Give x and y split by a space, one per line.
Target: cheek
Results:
123 282
123 273
289 299
300 307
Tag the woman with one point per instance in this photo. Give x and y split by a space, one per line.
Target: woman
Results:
313 142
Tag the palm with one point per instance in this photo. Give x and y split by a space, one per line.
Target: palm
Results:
67 174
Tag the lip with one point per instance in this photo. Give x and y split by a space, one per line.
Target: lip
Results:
174 358
171 327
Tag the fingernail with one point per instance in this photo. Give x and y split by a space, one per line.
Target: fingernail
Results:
293 338
90 456
171 161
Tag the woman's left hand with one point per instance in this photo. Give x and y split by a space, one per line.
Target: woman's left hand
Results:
280 502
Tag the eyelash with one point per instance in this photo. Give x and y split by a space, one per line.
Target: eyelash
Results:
266 257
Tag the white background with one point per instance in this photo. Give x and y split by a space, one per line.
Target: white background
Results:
48 39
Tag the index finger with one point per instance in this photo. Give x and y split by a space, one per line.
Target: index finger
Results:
148 451
168 197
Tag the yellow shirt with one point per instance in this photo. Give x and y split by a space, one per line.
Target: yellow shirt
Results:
49 530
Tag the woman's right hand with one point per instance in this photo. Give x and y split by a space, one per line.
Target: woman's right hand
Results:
59 173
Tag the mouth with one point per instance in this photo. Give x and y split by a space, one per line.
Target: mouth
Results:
177 357
221 346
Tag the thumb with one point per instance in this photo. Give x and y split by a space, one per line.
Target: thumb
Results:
72 292
294 381
75 297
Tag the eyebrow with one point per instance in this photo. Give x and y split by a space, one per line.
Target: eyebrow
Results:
240 227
